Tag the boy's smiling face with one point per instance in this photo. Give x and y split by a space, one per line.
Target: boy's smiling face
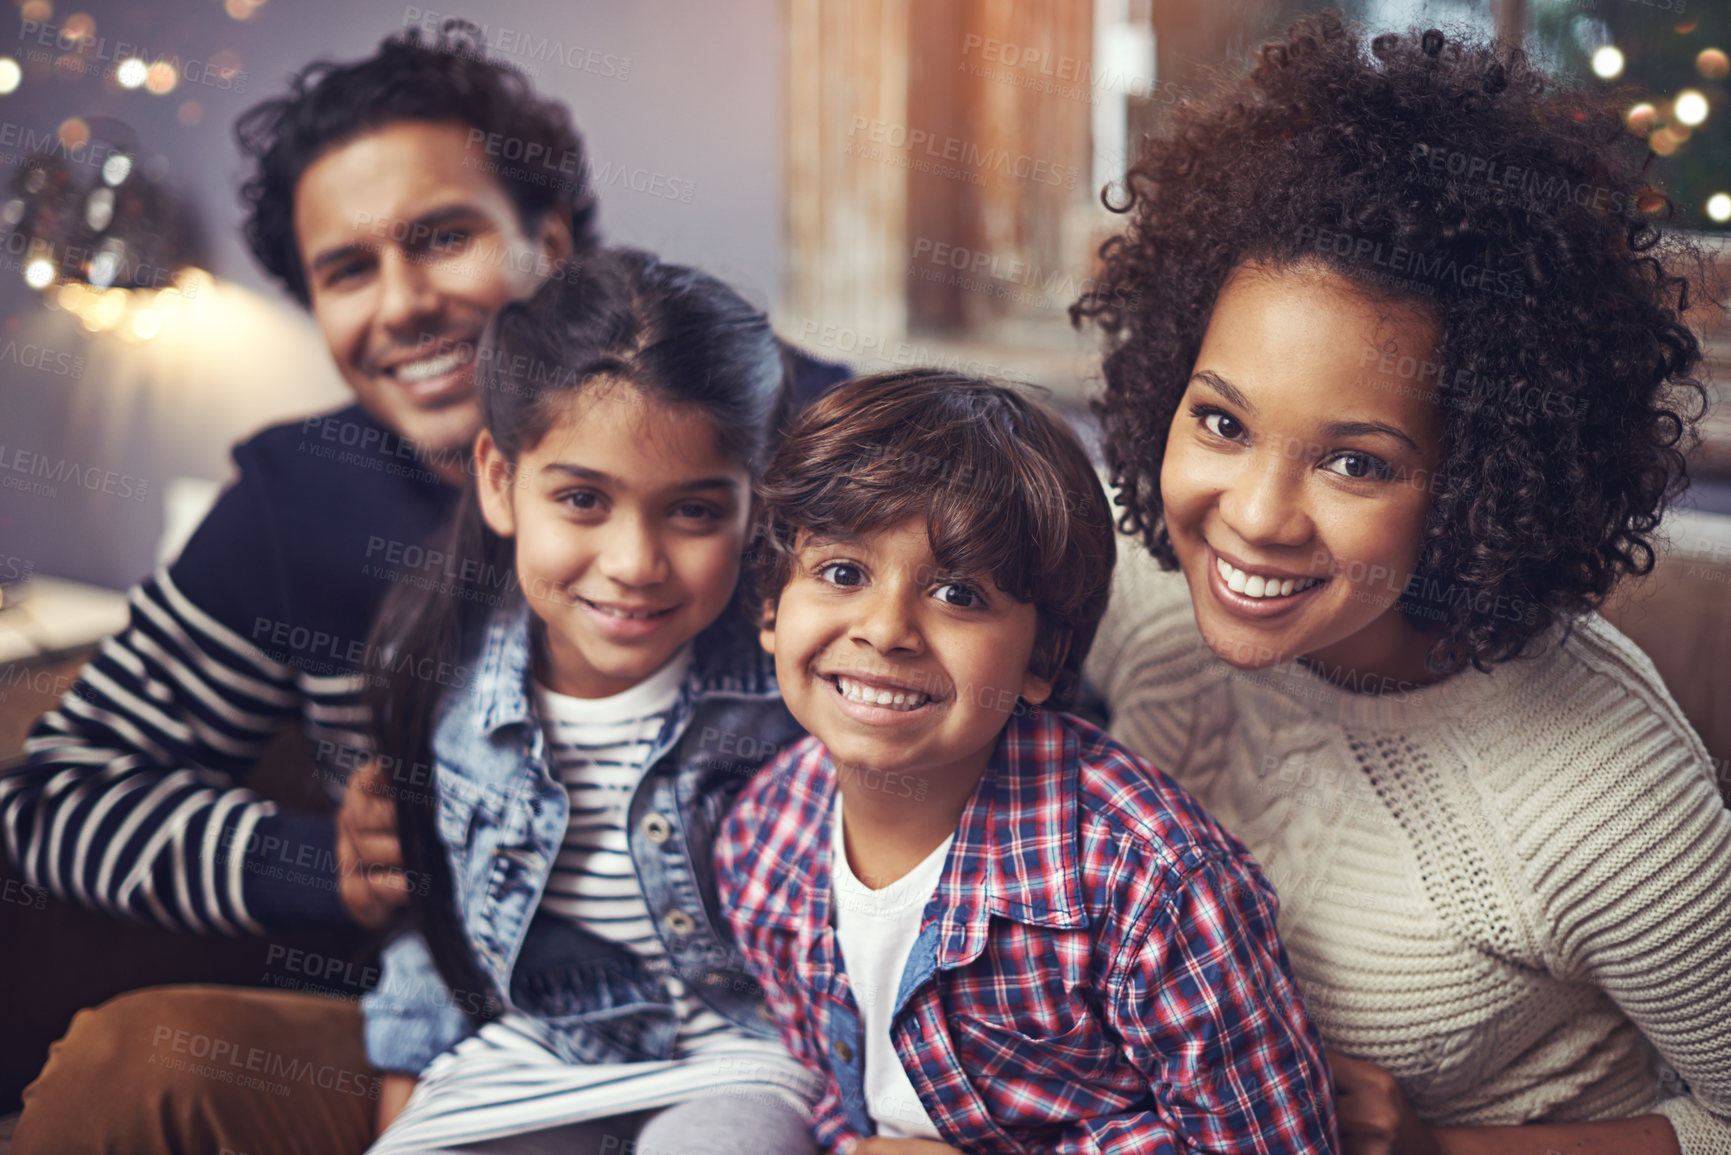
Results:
895 664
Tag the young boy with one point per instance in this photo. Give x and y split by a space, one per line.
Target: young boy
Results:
989 925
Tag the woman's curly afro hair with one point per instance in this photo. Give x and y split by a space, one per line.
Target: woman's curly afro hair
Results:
1517 213
448 79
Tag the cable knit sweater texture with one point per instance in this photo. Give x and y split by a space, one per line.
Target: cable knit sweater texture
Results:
1512 890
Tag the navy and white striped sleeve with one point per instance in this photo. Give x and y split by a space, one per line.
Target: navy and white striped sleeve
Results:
128 802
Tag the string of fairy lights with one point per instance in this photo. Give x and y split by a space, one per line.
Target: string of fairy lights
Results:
100 234
1667 125
90 222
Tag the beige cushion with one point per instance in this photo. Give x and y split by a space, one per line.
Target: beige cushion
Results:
1680 616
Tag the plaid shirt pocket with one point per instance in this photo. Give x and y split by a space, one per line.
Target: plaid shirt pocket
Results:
1083 1053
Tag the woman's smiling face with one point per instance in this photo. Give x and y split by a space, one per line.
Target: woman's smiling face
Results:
1298 472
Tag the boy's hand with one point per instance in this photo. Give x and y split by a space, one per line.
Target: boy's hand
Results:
393 1093
878 1145
1375 1117
369 858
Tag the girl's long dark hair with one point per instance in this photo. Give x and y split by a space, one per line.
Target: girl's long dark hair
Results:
677 335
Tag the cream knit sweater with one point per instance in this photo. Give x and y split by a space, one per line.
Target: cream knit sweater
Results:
1511 890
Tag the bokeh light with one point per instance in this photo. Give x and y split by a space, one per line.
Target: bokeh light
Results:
99 208
109 308
39 273
116 168
1719 207
1608 62
1690 107
161 78
73 132
1640 118
1713 64
10 75
131 72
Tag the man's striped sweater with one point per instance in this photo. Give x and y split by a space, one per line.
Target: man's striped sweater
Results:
132 799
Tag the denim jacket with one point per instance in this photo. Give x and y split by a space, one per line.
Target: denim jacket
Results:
502 818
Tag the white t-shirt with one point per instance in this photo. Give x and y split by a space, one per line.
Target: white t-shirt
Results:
875 931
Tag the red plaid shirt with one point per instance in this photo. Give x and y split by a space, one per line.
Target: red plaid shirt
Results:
1097 972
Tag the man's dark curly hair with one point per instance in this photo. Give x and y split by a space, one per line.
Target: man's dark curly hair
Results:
449 80
1452 173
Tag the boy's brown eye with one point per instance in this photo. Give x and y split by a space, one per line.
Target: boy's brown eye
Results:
841 573
959 595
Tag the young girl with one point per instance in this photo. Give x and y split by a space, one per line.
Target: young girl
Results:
574 674
1401 393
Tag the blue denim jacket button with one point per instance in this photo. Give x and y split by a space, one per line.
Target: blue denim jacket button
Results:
843 1051
679 922
656 828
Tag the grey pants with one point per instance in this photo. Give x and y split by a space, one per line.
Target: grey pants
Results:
753 1124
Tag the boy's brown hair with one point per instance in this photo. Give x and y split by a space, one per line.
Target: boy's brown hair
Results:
1005 486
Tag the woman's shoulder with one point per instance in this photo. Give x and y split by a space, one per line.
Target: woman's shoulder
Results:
1589 696
1588 765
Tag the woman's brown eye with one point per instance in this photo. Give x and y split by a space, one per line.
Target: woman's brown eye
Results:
1223 425
1360 467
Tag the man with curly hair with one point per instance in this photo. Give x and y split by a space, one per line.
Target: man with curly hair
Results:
1398 382
402 199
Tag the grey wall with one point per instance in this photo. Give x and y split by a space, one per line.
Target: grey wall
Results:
698 103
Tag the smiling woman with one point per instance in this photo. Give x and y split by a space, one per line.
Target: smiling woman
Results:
1296 483
1394 502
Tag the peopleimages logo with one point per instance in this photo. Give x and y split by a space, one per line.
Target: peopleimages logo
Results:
38 473
924 146
1497 175
46 142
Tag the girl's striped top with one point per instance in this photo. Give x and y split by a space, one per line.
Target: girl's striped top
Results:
598 748
505 1080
